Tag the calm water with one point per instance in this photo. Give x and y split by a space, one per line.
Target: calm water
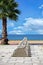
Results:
20 37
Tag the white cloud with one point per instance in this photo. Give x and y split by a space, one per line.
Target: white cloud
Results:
40 31
16 32
10 24
31 25
41 6
35 24
33 21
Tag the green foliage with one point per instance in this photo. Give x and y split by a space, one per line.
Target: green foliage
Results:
8 8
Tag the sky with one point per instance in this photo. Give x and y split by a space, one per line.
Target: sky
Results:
30 20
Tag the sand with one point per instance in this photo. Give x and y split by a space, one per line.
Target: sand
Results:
29 41
35 41
16 42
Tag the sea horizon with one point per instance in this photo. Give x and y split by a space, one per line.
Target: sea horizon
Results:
20 37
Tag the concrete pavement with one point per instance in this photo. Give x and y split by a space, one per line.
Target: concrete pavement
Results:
6 58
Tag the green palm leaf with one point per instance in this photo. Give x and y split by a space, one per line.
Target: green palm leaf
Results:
8 9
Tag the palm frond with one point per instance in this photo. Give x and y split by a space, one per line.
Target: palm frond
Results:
1 15
9 9
17 11
13 16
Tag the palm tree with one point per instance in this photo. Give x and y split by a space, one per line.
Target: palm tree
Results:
8 9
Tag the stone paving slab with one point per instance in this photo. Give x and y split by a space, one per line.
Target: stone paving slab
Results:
6 52
5 59
23 64
6 63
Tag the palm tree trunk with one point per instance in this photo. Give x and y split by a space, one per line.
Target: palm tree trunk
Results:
4 31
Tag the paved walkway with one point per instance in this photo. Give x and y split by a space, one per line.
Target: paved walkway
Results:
6 52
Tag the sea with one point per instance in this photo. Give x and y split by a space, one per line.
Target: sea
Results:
20 37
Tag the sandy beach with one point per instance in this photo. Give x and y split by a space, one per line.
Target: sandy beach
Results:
16 42
29 41
35 41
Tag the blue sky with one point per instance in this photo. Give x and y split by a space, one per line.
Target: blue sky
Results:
30 20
